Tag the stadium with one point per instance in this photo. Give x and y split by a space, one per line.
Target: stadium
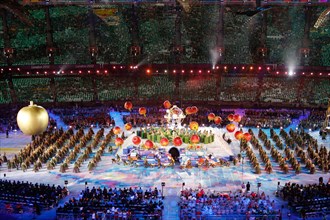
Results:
167 109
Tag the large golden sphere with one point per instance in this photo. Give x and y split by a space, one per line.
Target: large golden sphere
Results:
32 119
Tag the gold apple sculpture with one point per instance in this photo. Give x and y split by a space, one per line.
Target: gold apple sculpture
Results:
32 119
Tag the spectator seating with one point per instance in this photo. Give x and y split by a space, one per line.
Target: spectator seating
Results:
157 87
269 118
199 203
283 89
44 196
35 89
314 121
85 117
275 91
115 88
73 89
320 91
200 87
4 93
113 36
238 89
309 198
70 26
128 202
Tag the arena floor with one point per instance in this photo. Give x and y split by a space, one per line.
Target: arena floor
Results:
117 175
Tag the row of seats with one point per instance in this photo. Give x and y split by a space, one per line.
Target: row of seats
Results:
160 87
114 36
309 198
115 201
25 193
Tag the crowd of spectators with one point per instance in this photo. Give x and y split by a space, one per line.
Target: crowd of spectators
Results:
69 25
316 94
115 88
73 89
199 88
238 89
115 202
270 91
197 202
280 90
8 119
158 87
297 193
270 118
314 121
36 89
308 198
25 193
80 117
4 93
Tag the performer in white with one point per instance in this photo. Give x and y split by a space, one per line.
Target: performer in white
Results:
174 117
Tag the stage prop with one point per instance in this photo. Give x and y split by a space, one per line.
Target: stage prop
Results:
32 119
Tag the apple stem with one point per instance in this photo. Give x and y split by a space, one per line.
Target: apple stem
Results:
31 102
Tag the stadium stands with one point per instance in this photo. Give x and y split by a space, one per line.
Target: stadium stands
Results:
122 203
73 89
5 96
36 89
